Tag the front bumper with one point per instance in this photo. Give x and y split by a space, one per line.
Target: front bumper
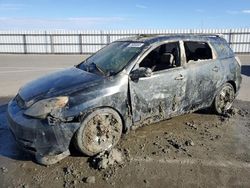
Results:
36 135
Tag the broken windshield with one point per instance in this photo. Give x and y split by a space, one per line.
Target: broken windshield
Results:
112 58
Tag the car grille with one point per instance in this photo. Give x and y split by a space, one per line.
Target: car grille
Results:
20 101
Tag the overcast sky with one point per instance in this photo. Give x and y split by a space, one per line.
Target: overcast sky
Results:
123 14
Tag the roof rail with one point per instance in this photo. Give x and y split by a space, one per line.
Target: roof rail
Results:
202 34
181 34
209 34
145 35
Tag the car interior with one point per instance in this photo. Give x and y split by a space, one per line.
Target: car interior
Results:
163 57
197 51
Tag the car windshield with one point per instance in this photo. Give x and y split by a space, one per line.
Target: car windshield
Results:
112 58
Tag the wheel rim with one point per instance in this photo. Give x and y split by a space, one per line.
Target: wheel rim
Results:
101 133
225 99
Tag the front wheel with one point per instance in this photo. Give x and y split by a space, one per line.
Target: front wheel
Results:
224 99
99 131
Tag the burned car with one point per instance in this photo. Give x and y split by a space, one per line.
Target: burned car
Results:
128 83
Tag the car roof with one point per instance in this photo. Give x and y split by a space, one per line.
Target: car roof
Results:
150 39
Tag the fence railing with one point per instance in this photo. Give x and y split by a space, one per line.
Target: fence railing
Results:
87 42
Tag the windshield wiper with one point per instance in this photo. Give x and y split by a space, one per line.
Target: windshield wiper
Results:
99 68
82 66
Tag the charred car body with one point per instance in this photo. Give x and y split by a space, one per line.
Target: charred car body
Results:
128 83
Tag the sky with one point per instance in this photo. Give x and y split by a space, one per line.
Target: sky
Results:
123 14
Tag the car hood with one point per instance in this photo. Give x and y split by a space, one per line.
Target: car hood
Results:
58 83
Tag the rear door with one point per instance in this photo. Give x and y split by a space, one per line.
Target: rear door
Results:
204 74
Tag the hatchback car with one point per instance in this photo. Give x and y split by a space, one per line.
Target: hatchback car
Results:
128 83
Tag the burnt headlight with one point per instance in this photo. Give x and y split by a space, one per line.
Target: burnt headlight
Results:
42 108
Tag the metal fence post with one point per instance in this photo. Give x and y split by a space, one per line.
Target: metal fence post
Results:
101 37
108 38
80 44
24 44
230 38
46 42
52 44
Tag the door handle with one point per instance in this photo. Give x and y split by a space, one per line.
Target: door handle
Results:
180 77
215 69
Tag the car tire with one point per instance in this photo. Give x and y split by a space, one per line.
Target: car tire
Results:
224 99
100 130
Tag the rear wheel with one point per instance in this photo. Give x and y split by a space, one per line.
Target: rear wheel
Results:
99 131
224 99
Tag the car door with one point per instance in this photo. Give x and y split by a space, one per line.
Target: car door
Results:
204 72
158 96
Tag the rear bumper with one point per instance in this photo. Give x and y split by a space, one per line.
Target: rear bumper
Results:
36 135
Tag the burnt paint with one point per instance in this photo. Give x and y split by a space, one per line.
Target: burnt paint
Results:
61 82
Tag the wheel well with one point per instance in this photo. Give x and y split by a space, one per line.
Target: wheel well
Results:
233 84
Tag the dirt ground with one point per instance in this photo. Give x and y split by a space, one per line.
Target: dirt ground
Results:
193 150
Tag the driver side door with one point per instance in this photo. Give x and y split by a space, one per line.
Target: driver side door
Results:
160 95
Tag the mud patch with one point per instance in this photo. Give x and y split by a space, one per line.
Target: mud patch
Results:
161 150
233 112
107 159
102 132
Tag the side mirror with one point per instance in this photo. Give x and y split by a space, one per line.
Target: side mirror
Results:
140 72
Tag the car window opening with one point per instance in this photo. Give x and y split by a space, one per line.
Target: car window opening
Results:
196 51
163 57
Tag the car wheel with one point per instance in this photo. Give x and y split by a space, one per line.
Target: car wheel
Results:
99 131
224 99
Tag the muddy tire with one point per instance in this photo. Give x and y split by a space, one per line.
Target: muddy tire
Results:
224 99
99 131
